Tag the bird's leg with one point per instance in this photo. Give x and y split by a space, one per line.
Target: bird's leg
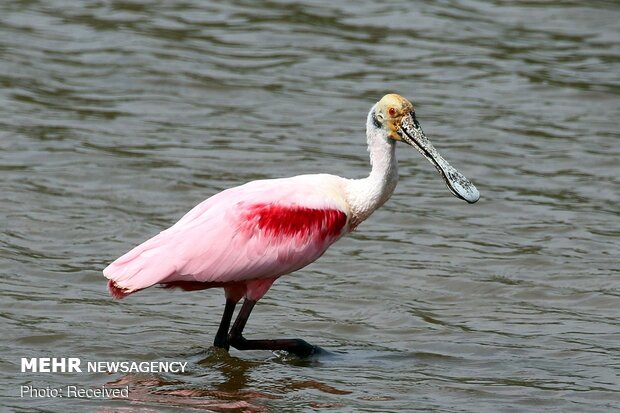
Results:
221 338
295 346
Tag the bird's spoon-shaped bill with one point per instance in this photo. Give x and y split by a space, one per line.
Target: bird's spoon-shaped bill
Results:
412 134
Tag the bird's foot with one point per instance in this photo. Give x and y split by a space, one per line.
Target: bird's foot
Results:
296 346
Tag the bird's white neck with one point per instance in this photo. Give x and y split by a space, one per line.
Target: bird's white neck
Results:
366 195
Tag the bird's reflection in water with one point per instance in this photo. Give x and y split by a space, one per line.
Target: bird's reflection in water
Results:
235 372
232 394
150 391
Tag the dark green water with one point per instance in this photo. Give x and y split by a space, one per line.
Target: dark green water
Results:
117 117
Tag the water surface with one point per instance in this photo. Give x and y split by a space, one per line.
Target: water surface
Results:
119 116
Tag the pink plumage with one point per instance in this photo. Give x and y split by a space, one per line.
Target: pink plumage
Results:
258 231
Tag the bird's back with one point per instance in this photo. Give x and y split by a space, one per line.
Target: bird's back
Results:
262 229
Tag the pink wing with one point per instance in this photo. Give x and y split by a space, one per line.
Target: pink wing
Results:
263 229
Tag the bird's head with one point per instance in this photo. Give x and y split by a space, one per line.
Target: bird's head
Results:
395 117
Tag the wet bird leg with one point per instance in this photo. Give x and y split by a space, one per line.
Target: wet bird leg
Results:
294 346
221 338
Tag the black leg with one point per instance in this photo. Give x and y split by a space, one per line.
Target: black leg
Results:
294 346
221 338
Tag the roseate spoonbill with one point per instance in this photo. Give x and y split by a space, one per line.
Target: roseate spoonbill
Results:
245 238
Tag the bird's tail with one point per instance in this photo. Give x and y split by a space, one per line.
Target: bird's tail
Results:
118 292
140 268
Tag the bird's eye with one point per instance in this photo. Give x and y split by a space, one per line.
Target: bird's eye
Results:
392 112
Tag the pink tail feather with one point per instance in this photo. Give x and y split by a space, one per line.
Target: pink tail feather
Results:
118 293
140 268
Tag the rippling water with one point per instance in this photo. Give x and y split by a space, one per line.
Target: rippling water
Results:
119 116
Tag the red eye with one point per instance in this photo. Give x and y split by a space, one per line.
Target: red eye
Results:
392 111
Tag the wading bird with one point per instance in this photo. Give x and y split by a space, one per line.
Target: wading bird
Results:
244 238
